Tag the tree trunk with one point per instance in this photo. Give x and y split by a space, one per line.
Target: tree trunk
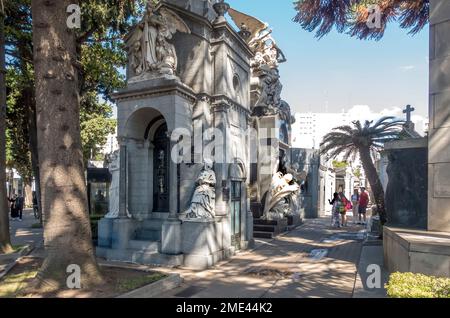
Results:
5 239
375 183
67 231
28 194
32 128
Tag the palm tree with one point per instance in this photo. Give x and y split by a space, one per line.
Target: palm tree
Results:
364 141
351 16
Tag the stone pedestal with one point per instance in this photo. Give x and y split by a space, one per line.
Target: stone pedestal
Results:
439 132
417 251
201 243
267 162
171 237
249 231
105 230
122 232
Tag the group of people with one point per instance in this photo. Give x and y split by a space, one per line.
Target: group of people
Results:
341 205
16 204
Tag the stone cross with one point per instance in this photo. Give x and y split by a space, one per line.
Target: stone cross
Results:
408 112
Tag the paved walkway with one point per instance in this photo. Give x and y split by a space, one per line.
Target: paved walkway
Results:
313 260
22 233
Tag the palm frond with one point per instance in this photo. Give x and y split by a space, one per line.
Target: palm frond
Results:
351 16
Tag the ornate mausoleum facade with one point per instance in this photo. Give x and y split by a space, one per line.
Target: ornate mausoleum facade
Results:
204 138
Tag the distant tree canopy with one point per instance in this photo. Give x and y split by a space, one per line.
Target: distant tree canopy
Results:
101 59
339 164
351 16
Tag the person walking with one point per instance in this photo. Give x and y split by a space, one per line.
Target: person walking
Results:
12 207
345 205
336 203
363 203
355 203
19 206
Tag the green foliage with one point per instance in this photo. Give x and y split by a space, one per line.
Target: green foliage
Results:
129 284
339 164
13 284
18 154
351 16
349 140
364 140
357 172
409 285
96 124
102 61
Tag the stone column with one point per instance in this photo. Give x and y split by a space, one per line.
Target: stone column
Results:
151 148
123 181
173 181
171 229
439 131
221 157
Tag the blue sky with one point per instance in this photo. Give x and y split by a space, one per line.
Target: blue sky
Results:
337 72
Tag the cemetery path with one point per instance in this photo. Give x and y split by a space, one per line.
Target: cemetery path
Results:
23 233
314 260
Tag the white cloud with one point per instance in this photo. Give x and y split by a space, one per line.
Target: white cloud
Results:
407 68
309 128
363 112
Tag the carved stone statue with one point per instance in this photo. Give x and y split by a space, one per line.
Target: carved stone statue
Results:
271 87
148 48
266 84
259 40
279 202
204 199
114 169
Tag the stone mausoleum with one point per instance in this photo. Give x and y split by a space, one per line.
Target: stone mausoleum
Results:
407 247
204 138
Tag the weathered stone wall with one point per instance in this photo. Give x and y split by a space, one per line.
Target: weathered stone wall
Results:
308 161
439 145
406 192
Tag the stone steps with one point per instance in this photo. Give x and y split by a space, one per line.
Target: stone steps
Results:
264 222
264 228
155 258
145 234
265 235
147 246
153 224
143 257
268 229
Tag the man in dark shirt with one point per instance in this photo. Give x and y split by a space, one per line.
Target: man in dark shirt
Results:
19 206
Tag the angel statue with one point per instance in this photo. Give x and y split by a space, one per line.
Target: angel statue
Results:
204 199
280 197
259 40
148 48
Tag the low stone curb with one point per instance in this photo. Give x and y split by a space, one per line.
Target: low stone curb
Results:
157 288
23 252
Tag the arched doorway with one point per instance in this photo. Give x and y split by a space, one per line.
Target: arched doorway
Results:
161 157
238 198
